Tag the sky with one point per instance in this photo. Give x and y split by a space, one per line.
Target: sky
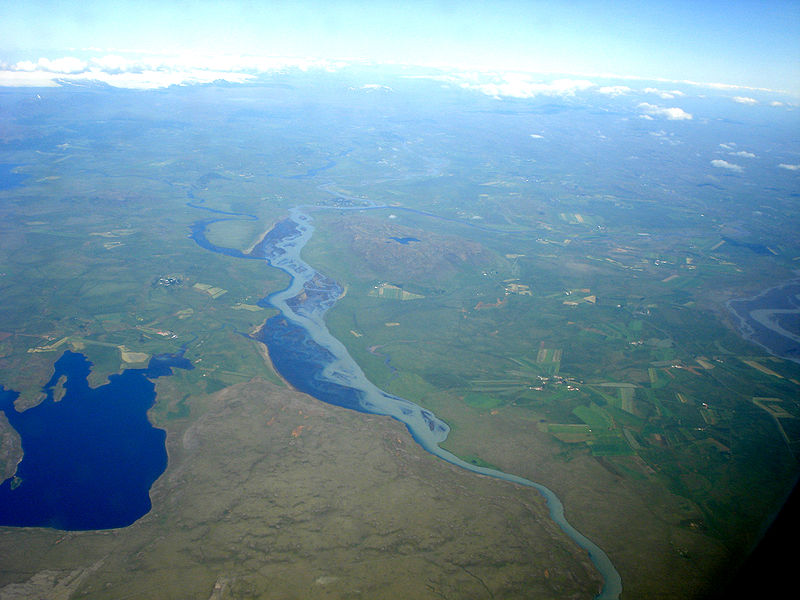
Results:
746 43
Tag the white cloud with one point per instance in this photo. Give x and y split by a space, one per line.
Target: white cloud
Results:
665 95
67 64
25 66
789 167
776 103
744 100
536 136
372 87
160 79
673 114
147 79
724 164
724 86
146 71
521 85
614 90
27 79
743 154
149 69
113 63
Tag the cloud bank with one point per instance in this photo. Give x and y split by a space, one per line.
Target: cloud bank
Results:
125 68
522 85
148 71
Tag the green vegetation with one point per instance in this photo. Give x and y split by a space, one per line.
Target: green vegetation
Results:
615 368
563 309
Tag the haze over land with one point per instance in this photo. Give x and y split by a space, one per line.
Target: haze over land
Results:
582 280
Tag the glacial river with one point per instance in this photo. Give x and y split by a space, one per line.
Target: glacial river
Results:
311 359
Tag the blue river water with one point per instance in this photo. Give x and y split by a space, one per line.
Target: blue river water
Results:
772 319
90 457
312 360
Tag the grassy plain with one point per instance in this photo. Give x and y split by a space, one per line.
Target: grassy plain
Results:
615 366
647 378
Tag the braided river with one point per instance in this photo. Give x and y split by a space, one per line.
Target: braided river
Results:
310 358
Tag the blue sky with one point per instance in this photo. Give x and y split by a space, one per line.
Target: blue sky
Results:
749 43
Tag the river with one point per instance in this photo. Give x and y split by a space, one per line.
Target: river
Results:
311 359
772 319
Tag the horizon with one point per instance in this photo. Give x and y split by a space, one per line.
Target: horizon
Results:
740 45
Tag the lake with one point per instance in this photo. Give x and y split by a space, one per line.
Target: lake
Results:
91 456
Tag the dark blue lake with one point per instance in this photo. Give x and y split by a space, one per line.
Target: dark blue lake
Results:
91 457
